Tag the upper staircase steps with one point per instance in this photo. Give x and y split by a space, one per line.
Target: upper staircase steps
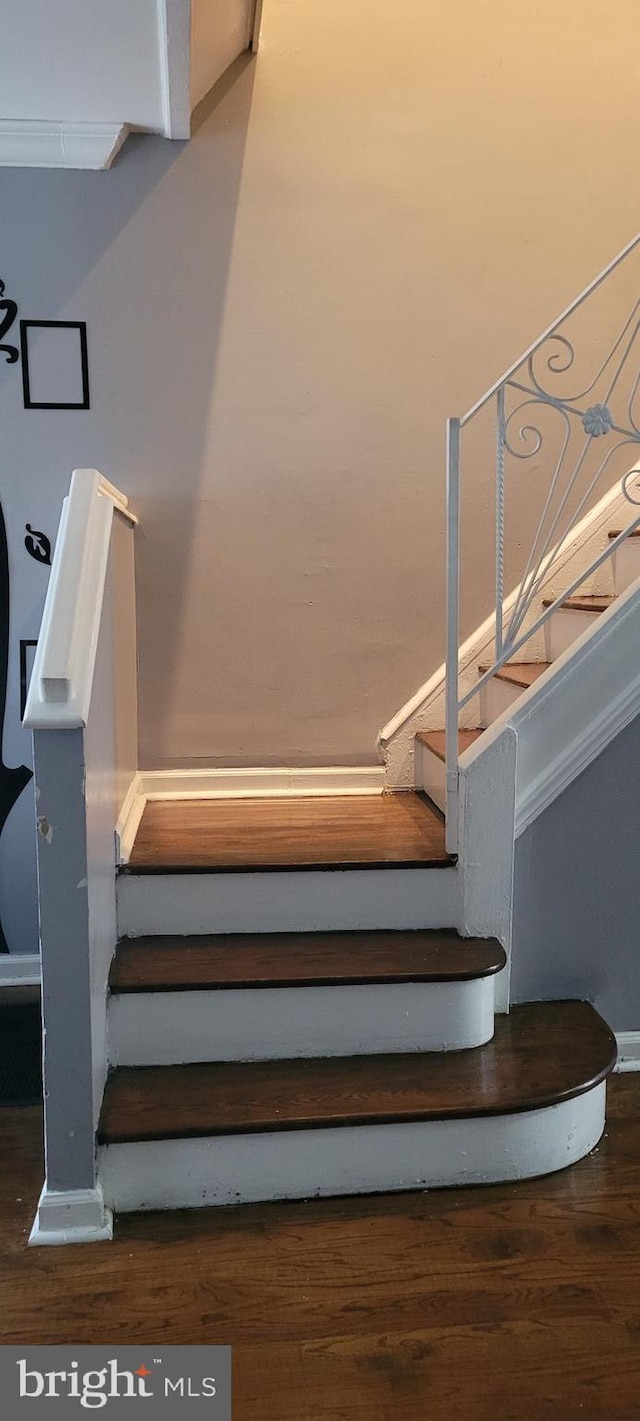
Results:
528 1102
572 617
335 863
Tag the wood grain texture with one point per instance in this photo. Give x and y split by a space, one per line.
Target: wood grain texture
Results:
300 960
435 740
541 1054
517 1302
370 831
519 673
590 603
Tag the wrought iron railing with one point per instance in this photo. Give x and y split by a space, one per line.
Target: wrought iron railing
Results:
582 436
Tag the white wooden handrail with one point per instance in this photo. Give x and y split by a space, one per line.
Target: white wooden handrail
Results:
61 681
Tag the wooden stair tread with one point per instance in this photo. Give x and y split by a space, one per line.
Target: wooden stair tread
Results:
300 960
541 1054
589 603
355 831
615 533
435 740
519 673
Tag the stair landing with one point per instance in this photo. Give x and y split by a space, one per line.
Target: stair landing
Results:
354 831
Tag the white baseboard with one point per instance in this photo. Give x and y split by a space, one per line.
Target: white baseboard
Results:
628 1051
20 970
129 819
71 1216
254 783
45 144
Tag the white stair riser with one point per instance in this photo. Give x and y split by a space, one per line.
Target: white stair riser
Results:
495 697
303 901
563 628
298 1164
431 775
626 565
254 1024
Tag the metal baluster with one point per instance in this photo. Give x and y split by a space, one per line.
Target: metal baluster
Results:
500 434
453 629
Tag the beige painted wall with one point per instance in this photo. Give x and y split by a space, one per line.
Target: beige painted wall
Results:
378 214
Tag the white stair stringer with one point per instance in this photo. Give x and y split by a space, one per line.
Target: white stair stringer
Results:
570 714
360 1159
302 900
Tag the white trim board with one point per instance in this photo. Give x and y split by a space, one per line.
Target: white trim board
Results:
131 813
256 783
174 55
20 970
628 1043
44 144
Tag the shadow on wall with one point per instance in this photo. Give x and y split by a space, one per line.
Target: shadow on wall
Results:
141 253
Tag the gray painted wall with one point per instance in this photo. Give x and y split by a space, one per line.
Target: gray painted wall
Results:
576 926
372 221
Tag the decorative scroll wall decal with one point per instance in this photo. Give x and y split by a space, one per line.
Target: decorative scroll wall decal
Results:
38 545
12 781
55 368
8 313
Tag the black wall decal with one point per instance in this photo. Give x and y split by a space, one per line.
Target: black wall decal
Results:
8 313
52 363
12 782
38 545
25 672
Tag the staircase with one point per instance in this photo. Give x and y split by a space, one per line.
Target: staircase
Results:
570 619
281 1064
303 995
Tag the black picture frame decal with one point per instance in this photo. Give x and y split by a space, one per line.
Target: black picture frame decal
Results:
42 366
26 667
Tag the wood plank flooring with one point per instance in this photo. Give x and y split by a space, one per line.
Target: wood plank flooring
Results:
518 1302
541 1054
249 960
349 831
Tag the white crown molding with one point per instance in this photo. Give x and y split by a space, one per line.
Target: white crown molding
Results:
43 144
258 782
71 1216
628 1050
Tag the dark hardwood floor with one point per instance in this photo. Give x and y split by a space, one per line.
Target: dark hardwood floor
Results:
509 1303
385 830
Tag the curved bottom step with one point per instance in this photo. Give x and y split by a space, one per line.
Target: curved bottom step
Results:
529 1102
434 1154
